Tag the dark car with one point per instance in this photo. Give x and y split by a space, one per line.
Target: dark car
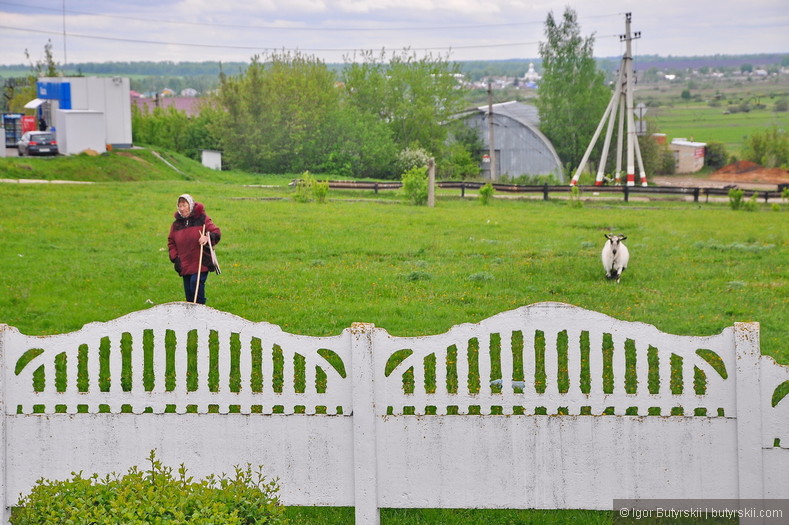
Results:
37 143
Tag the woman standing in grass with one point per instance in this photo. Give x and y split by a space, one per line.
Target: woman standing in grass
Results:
191 230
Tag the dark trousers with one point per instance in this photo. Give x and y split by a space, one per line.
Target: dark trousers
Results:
190 281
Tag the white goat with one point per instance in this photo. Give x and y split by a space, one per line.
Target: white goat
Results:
615 256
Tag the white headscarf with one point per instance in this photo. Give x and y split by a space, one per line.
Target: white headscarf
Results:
188 198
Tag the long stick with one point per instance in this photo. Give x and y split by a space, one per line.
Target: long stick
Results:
199 267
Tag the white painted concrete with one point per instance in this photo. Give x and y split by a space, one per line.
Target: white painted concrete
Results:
484 433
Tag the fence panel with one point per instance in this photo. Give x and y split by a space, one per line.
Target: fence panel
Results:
546 406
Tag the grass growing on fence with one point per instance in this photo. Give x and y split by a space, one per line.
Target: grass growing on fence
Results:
344 515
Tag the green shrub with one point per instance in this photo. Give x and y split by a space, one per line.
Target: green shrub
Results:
308 189
534 180
770 148
751 204
411 158
486 193
153 496
735 198
715 155
575 197
320 189
415 185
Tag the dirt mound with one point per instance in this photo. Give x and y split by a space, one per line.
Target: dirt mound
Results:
747 171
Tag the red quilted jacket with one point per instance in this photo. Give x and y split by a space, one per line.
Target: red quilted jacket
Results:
183 240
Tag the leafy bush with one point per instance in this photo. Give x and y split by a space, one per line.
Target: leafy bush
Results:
415 185
153 496
751 204
411 158
308 189
715 155
533 180
486 193
667 166
174 130
575 197
769 148
735 198
457 163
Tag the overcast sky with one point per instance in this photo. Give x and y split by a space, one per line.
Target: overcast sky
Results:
234 30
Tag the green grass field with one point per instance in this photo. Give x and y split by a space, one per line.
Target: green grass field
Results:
696 119
74 254
702 123
80 253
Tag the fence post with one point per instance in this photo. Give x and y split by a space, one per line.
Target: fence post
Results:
365 454
545 192
431 183
627 193
5 509
462 189
749 411
695 194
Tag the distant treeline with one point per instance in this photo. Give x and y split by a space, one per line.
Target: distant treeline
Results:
204 76
474 69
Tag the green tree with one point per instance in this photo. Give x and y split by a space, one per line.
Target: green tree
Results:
22 94
572 93
715 155
413 96
770 148
277 114
173 129
363 145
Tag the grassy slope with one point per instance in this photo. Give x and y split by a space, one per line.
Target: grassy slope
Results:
125 165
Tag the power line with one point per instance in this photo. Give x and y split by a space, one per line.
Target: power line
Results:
263 48
286 28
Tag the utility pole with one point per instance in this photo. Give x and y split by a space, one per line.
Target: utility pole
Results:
632 138
491 144
622 100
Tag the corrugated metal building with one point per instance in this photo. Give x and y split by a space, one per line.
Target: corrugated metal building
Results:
520 147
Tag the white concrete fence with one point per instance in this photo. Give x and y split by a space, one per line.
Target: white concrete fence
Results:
549 406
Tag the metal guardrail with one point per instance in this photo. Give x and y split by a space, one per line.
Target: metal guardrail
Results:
546 189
